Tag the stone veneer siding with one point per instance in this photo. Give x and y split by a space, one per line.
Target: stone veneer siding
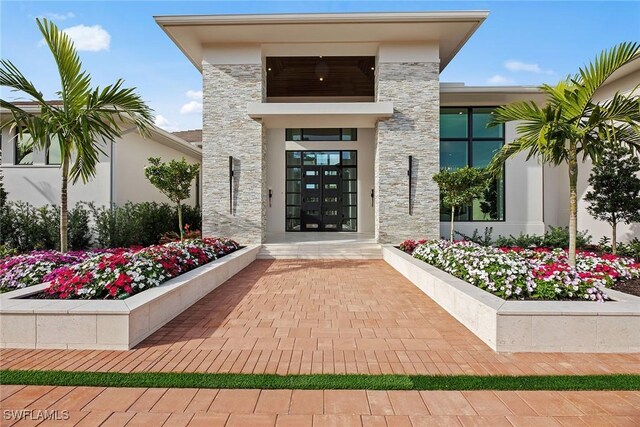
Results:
229 131
413 130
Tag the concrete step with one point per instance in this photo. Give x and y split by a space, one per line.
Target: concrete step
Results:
321 251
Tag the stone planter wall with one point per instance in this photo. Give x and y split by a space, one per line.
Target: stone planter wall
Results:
108 324
528 326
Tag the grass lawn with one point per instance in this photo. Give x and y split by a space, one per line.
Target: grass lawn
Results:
320 382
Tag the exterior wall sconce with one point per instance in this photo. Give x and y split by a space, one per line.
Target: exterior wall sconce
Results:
230 185
270 196
373 194
410 174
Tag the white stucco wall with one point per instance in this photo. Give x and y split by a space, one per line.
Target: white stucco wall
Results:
39 184
131 156
276 147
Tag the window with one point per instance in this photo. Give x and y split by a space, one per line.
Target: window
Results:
23 149
322 134
465 140
54 157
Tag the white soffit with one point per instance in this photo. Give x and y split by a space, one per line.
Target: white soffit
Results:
450 30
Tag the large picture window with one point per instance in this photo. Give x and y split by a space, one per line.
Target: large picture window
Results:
465 140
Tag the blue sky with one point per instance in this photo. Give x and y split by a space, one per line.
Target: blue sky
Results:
520 42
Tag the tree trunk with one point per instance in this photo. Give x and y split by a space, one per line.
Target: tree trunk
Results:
453 214
614 238
573 201
64 212
180 221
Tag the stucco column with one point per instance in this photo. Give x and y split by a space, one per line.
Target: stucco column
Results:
229 131
413 130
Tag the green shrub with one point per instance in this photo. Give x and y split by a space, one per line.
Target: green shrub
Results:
79 227
555 237
629 249
484 240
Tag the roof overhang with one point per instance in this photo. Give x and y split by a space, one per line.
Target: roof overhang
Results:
326 114
157 134
450 30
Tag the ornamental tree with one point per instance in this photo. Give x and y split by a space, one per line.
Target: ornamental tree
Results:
85 117
460 187
615 189
173 179
573 124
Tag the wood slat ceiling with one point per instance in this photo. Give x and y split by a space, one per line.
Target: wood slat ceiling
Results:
300 76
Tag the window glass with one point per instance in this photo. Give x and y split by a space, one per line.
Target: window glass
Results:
54 156
453 154
453 123
483 151
293 173
293 158
350 134
481 118
458 149
24 149
349 158
321 134
293 199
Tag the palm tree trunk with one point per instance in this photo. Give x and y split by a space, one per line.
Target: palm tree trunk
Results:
453 214
614 238
573 201
64 212
180 220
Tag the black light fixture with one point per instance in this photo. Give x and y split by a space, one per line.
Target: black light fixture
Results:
410 174
230 185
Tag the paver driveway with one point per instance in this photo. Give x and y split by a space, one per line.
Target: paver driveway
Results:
329 316
91 406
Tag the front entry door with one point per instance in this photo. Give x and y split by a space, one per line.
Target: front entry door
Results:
321 207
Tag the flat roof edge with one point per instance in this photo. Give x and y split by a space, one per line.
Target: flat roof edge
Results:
310 18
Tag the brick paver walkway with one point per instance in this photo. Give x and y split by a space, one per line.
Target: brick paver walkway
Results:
89 406
300 317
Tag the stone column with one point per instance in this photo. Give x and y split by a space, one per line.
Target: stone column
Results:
413 130
229 131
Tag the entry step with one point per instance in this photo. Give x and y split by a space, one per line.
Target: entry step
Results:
320 251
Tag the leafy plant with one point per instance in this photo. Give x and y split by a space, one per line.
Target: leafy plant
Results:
484 240
86 117
573 123
555 237
460 187
615 189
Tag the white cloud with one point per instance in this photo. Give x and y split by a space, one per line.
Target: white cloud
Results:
194 94
499 80
514 65
92 39
191 107
164 123
59 16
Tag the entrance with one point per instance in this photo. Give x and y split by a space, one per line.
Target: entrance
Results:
321 191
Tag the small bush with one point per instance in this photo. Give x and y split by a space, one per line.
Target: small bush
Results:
555 237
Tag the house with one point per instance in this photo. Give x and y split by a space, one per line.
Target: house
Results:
34 176
337 122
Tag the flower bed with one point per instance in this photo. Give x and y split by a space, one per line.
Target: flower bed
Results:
30 269
516 273
122 273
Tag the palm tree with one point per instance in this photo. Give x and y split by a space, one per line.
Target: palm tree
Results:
84 120
572 125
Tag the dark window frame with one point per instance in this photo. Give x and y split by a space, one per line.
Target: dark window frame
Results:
469 140
341 131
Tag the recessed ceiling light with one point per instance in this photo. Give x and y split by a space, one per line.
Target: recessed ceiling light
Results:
321 79
269 69
373 68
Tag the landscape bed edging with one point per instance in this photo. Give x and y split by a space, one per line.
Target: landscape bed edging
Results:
527 326
110 324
